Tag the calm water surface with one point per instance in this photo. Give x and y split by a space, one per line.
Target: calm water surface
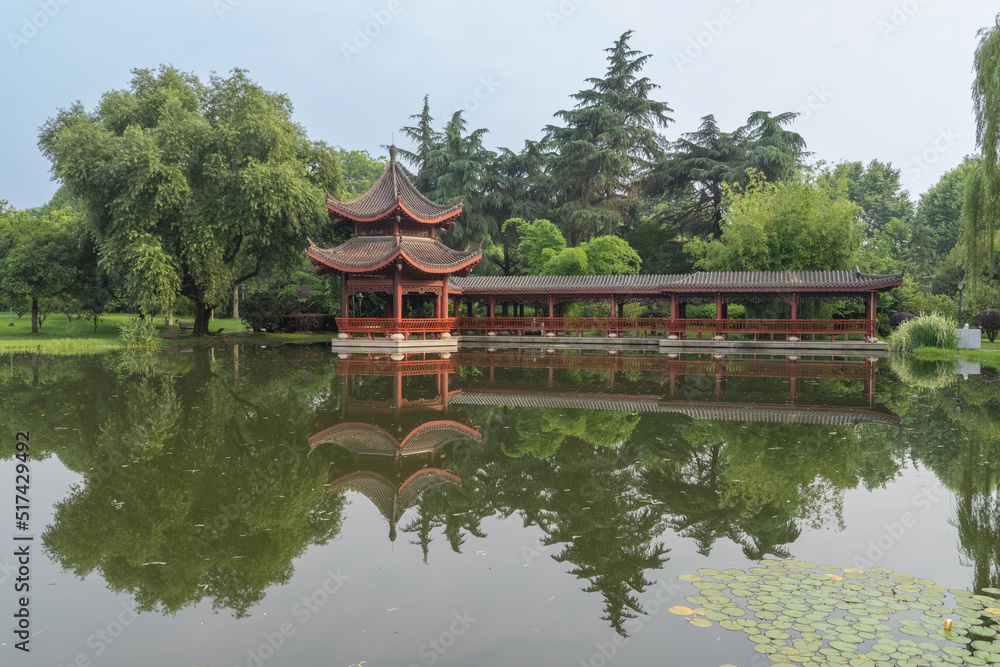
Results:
283 506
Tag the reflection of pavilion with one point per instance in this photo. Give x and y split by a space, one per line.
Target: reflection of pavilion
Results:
393 473
396 383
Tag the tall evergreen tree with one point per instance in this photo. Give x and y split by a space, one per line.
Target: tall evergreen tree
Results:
458 169
692 175
606 146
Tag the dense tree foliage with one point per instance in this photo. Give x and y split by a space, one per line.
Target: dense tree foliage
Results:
190 187
605 147
797 225
982 198
700 164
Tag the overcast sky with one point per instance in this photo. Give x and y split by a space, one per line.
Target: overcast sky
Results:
877 79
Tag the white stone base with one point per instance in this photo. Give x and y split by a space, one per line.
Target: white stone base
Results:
793 339
550 334
719 337
445 336
673 337
397 336
342 336
612 335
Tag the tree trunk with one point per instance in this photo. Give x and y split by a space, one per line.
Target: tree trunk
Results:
202 314
96 318
34 315
236 302
170 319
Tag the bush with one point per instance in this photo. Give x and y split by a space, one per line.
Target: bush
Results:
923 331
263 311
138 333
304 322
899 318
928 304
989 322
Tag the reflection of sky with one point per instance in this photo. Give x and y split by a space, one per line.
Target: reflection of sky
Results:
518 619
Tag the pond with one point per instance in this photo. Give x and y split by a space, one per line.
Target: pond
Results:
288 506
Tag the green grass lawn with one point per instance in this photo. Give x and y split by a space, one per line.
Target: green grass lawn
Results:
60 335
990 352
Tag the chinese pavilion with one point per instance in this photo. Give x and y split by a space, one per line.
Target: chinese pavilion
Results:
393 250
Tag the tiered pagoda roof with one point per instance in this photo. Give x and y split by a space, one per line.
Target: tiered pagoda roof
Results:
393 221
364 254
392 194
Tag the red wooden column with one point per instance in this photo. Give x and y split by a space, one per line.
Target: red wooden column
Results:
444 392
493 307
614 306
872 314
445 298
795 311
397 297
552 306
674 311
344 310
719 306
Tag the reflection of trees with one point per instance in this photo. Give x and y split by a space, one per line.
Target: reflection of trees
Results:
192 488
959 440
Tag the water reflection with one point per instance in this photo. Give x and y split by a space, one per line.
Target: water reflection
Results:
205 474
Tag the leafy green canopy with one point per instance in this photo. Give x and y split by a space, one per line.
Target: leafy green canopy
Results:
982 202
191 188
41 261
542 251
794 225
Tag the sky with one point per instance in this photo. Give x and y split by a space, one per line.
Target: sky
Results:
878 79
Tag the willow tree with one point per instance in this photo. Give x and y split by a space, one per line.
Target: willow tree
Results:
982 195
191 188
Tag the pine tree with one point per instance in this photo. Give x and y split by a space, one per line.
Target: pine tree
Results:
606 147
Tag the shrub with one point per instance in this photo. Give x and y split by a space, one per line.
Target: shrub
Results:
138 333
923 331
304 322
899 318
263 311
989 322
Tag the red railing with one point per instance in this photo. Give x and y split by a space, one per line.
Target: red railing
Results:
680 327
547 324
372 326
685 328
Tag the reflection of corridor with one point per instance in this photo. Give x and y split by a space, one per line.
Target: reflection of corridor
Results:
727 403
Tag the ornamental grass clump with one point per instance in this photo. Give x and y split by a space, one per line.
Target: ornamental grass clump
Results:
924 331
138 333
